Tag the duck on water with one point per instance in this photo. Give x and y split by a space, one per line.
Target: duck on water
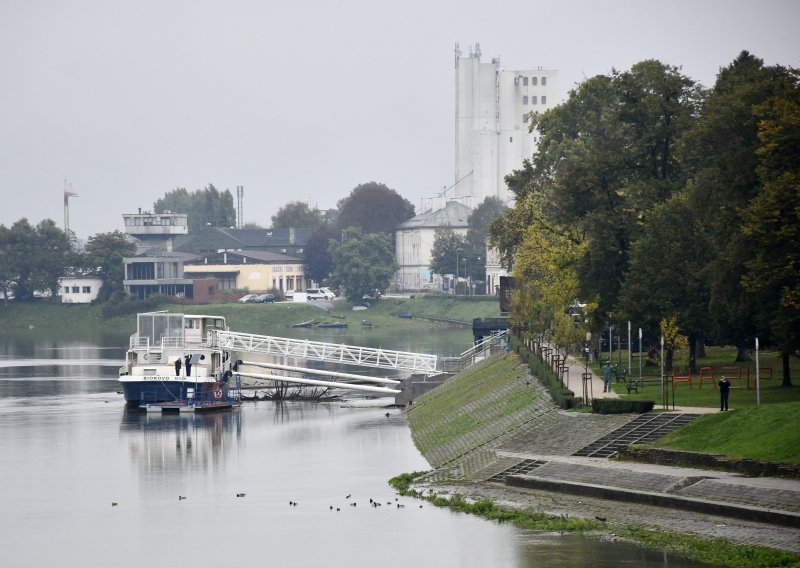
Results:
173 362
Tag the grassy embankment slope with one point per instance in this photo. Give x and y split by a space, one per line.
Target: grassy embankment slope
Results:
248 318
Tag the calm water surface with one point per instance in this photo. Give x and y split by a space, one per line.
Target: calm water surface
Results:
69 449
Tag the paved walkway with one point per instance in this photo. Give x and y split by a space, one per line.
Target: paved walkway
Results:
525 461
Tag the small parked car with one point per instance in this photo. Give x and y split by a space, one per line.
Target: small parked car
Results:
246 299
264 299
289 295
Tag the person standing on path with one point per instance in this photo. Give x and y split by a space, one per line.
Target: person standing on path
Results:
724 389
607 371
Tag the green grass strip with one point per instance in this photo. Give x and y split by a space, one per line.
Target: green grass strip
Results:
713 551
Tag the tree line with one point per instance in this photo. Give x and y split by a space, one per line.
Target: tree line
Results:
654 200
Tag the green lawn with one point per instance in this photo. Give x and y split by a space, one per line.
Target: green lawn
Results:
768 432
719 360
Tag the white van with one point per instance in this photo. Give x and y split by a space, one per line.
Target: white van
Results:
320 294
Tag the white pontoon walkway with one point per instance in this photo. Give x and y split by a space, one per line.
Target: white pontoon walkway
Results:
328 352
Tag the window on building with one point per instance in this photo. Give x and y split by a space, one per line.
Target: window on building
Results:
510 138
533 80
87 289
533 100
525 117
544 100
525 81
525 100
76 289
544 81
66 289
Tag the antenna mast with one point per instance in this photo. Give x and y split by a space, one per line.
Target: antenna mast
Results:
67 194
239 212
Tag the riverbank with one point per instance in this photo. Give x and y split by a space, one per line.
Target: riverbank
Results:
522 458
398 312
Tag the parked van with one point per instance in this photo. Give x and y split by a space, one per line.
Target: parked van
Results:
320 294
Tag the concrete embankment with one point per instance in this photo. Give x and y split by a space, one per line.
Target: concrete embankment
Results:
494 431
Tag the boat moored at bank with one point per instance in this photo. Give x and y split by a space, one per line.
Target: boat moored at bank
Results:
174 362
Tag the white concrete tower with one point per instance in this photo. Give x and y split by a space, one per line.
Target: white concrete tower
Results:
492 108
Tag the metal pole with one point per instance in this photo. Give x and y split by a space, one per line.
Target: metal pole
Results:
758 386
630 348
663 397
640 353
610 343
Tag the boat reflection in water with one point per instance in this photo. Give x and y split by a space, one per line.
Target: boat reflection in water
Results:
171 443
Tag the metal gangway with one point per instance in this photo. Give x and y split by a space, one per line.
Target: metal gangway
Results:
328 352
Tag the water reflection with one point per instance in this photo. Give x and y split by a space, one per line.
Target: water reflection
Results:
174 443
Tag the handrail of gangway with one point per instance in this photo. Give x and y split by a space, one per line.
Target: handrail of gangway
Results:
328 352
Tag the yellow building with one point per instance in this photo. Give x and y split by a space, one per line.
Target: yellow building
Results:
256 271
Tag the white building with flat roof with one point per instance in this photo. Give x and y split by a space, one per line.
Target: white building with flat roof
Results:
492 107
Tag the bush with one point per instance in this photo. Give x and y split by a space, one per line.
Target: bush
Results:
562 396
619 406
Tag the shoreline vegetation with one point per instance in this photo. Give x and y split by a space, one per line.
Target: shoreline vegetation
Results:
714 551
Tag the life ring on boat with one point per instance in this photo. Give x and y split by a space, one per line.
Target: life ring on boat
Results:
218 393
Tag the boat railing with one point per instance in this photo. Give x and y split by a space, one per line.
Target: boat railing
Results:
169 342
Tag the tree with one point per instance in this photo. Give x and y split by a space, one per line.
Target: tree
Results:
373 208
720 154
665 273
477 234
318 262
54 255
447 251
771 223
296 214
204 207
20 251
104 253
364 263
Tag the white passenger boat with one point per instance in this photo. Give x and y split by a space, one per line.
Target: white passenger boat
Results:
174 363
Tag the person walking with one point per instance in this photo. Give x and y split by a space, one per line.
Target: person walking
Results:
178 366
607 372
724 390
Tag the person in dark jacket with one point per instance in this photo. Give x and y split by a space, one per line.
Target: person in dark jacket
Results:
188 363
724 389
178 367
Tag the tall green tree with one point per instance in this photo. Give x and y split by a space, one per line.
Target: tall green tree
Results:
665 274
373 208
771 223
364 263
103 255
720 155
20 249
316 254
296 214
207 206
54 255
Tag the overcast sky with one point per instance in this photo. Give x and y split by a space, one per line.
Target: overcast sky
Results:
128 100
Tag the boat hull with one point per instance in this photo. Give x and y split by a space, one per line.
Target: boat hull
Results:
141 392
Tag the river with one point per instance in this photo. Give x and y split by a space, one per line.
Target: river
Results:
69 451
